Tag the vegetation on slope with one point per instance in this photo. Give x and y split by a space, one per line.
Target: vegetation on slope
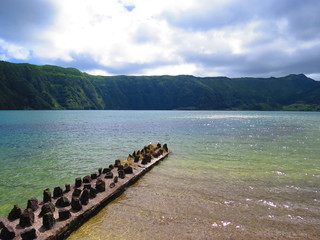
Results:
26 86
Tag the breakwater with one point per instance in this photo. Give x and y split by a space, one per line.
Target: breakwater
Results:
64 210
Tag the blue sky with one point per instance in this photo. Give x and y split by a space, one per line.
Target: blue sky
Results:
233 38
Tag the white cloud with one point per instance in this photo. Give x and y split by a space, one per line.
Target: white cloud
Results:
178 69
12 51
167 37
98 72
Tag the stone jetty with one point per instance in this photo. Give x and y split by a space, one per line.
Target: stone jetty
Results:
63 210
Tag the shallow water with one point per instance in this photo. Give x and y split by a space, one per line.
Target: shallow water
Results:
240 175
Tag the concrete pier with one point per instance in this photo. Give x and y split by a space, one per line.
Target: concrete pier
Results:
57 215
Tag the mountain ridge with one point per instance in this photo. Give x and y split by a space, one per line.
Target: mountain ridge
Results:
28 86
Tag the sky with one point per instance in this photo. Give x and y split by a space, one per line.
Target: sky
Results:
233 38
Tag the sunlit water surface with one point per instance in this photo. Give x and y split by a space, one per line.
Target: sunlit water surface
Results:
232 175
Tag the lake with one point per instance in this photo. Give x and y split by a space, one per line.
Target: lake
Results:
232 175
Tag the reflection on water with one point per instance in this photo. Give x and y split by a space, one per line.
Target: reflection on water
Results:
232 175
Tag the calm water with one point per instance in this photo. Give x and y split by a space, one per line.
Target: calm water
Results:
232 175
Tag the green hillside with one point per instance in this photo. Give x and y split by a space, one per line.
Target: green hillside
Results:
26 86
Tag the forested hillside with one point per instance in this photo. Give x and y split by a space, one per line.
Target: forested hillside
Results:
26 86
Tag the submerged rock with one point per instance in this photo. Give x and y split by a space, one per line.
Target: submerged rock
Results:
93 192
76 192
136 158
15 213
78 182
165 147
29 234
94 176
57 192
121 174
86 179
109 175
68 188
26 218
47 195
64 214
48 220
117 163
115 180
7 233
128 170
63 202
76 204
47 207
33 204
100 185
85 196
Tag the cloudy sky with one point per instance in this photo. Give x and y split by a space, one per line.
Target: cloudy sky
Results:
233 38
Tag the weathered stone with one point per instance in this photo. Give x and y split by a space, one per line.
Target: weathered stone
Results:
106 170
78 182
86 179
128 170
144 161
117 163
7 233
115 180
136 158
47 195
93 192
68 188
76 204
64 214
85 196
109 175
63 202
26 218
33 204
100 171
121 174
165 147
29 234
15 213
47 207
57 192
148 157
100 185
112 185
87 186
76 192
94 176
143 152
48 220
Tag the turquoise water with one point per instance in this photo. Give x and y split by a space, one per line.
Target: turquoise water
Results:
231 175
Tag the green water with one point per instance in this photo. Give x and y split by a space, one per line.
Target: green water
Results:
240 175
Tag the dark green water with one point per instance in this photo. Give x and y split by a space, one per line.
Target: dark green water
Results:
240 175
